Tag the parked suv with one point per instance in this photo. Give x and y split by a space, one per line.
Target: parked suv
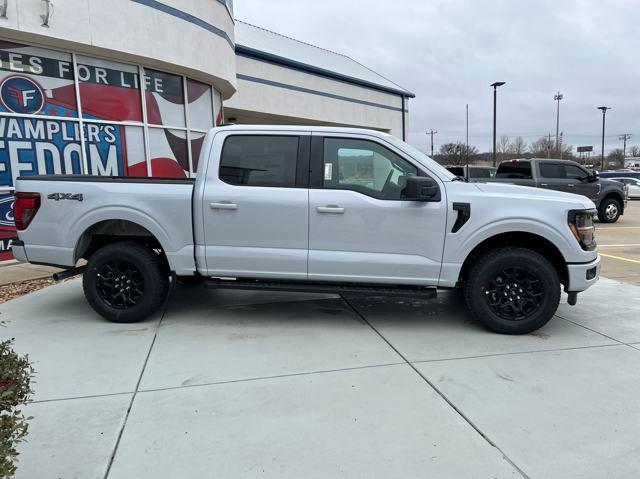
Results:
610 197
312 209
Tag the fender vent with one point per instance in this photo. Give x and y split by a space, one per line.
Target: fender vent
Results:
464 213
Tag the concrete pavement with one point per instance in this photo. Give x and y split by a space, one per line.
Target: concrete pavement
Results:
14 272
619 246
252 384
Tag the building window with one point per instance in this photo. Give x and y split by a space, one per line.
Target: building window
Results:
62 113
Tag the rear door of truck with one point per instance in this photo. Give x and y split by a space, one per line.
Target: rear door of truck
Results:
256 204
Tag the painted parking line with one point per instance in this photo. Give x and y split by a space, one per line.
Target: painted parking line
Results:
618 227
620 258
617 245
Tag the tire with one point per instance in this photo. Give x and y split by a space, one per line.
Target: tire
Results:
525 278
136 271
609 211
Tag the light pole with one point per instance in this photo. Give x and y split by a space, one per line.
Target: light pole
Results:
495 96
604 116
557 98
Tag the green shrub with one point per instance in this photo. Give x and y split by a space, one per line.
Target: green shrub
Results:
15 390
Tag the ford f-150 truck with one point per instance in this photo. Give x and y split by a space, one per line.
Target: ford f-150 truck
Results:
610 197
312 209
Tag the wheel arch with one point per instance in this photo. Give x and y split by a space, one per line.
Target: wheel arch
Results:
616 195
521 239
108 231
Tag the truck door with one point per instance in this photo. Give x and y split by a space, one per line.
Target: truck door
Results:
256 205
552 176
360 228
577 182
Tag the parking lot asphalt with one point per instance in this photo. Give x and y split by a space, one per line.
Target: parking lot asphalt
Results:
280 385
619 246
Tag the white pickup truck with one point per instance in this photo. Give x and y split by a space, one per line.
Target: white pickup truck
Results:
312 209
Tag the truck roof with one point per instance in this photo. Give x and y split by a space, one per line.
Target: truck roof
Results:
540 160
325 129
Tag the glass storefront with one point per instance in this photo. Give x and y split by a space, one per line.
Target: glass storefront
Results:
62 113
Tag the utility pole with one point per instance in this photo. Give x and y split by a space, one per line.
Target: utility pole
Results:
467 144
560 145
495 86
625 137
557 98
431 132
604 116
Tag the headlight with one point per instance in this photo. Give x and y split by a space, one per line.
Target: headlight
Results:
581 225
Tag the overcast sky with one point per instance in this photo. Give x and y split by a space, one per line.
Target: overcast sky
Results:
448 52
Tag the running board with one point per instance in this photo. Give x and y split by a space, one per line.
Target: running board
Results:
416 292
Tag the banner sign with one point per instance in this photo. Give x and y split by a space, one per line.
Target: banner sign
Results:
7 230
40 120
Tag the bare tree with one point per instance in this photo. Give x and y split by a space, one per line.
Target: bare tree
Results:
545 147
455 153
616 158
503 148
518 147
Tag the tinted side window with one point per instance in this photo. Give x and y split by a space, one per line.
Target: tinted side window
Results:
480 173
574 173
551 170
255 160
515 170
366 167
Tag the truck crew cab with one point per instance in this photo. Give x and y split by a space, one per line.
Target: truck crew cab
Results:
313 209
610 197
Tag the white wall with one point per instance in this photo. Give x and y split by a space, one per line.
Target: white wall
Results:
130 31
257 99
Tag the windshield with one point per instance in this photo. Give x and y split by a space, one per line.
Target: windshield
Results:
417 155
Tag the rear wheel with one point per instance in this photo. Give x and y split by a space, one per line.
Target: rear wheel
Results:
609 210
513 290
125 282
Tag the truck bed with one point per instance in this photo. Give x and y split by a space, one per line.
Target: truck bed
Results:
73 204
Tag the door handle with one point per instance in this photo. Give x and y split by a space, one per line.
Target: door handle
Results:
544 184
570 184
223 205
330 209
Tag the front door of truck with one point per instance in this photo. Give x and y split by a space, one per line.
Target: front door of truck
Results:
255 205
578 182
360 227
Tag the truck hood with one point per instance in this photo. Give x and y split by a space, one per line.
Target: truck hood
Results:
529 192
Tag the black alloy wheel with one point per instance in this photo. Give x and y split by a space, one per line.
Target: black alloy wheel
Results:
120 284
514 294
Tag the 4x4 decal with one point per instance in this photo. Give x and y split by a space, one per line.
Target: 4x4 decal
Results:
65 196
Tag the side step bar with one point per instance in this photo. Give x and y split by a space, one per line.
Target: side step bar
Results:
417 292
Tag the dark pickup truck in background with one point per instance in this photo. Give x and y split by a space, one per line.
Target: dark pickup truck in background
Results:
610 197
473 173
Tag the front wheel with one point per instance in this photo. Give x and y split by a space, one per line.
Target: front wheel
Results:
609 211
125 282
512 290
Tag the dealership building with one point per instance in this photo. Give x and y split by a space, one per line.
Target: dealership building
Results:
130 87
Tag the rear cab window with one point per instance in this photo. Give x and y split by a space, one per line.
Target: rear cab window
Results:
260 160
552 171
520 170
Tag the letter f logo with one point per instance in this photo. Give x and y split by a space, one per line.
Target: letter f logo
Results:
20 94
23 96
